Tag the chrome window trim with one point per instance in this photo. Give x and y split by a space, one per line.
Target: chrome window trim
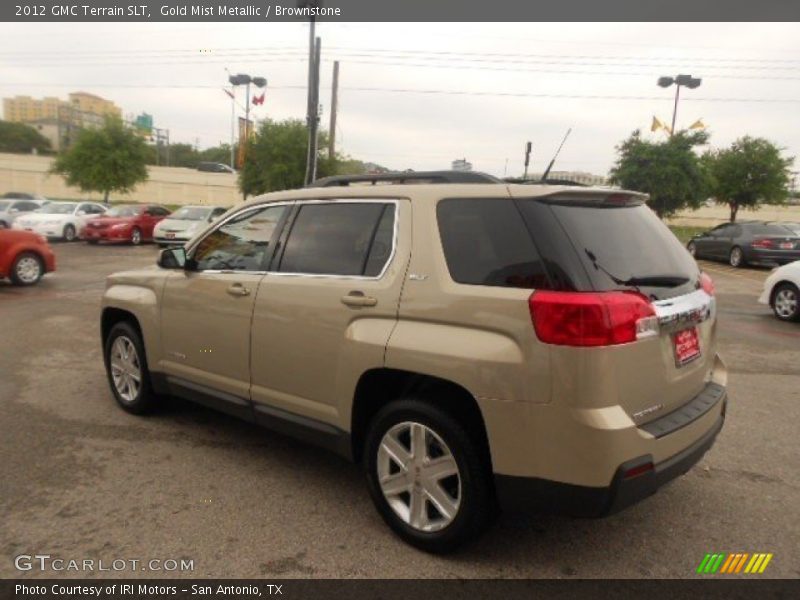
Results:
395 202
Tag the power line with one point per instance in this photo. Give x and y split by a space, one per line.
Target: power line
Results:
425 92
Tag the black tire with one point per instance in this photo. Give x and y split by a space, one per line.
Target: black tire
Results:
136 236
3 225
789 290
23 258
736 257
477 505
145 400
692 248
69 233
93 242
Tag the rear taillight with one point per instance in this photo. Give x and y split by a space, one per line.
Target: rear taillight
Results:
763 243
591 318
707 284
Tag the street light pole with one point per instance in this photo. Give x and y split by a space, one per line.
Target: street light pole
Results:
681 80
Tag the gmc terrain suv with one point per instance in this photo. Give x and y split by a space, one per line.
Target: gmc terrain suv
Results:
474 345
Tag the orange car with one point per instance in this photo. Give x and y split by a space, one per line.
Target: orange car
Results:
24 256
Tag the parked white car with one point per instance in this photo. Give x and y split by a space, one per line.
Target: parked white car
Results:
782 292
60 220
184 223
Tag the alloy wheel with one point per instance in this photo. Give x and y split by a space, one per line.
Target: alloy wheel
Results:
69 233
692 249
28 270
136 237
736 257
786 303
419 477
126 369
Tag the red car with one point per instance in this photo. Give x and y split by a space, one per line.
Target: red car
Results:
125 223
25 256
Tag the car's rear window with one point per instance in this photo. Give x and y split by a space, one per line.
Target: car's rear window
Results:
768 229
486 242
616 244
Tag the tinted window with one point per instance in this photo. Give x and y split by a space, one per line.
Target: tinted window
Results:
157 211
241 243
27 206
767 229
722 231
626 242
332 239
381 248
486 242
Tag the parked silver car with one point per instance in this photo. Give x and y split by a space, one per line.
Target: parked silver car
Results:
184 223
11 208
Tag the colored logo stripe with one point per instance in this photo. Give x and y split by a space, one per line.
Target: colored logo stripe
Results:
734 563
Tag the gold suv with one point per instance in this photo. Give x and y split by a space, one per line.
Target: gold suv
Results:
473 344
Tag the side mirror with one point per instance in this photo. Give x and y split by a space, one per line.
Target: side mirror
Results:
172 258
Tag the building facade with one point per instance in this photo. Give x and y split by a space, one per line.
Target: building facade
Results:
59 120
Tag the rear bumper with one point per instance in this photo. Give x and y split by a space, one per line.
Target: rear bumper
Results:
780 257
529 494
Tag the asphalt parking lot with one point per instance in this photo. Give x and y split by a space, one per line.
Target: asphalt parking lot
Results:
82 479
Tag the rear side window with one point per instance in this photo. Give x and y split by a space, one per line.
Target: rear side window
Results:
486 242
340 238
768 229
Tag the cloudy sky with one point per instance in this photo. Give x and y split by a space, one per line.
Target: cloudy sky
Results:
420 95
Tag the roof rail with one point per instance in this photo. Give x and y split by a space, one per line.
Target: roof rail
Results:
407 177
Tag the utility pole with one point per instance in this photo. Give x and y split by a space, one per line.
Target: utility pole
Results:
311 109
334 104
528 147
233 123
313 115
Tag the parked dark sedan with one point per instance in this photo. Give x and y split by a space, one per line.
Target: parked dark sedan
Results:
755 242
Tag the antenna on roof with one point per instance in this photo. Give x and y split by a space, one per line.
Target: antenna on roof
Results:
555 156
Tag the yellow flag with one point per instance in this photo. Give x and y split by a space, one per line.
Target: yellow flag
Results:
698 124
656 125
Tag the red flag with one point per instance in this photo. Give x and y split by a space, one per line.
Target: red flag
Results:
257 100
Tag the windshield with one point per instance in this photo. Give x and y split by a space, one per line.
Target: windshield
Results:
190 213
123 211
57 208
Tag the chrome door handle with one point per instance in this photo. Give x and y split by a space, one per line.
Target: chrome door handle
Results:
237 289
358 299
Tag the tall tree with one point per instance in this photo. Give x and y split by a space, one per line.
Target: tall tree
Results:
669 171
751 172
108 159
19 137
276 158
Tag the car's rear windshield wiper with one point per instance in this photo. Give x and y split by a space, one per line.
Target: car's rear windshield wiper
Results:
657 281
666 281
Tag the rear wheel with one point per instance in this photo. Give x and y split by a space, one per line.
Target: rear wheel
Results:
27 269
427 476
786 302
69 233
692 248
136 236
126 367
736 257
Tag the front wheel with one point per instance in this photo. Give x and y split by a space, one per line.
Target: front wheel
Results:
26 269
136 236
427 476
126 367
786 302
736 257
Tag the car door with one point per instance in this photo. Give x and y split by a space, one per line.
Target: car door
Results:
207 308
715 245
148 221
325 310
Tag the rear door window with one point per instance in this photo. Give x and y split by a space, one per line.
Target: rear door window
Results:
340 238
486 242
